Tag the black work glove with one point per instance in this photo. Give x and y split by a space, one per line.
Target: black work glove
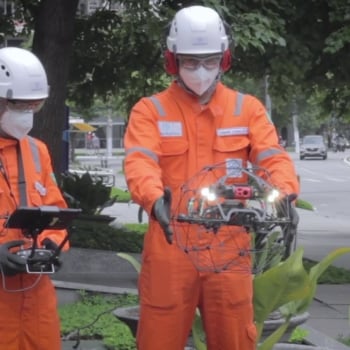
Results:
51 245
161 211
286 209
11 263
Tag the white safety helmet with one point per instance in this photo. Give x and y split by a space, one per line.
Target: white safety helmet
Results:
197 30
22 75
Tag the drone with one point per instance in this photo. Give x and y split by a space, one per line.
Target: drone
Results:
216 201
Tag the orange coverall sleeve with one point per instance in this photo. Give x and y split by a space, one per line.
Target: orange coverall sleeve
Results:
142 142
266 151
53 196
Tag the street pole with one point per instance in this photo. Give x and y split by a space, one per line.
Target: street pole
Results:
268 104
295 126
109 134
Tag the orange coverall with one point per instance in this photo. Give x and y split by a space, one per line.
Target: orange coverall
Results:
169 138
28 305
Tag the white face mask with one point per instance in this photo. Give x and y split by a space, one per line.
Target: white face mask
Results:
199 80
16 124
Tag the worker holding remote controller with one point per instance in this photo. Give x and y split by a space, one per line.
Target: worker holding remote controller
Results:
28 305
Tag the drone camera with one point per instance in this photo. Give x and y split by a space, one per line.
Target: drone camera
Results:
237 192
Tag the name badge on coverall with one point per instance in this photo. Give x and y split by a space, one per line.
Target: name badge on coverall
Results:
242 130
168 129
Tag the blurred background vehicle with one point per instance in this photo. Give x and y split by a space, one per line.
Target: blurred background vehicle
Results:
313 146
339 143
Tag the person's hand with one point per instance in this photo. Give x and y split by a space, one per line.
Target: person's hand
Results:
161 211
286 209
11 263
51 245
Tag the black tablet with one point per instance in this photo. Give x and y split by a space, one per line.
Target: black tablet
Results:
41 218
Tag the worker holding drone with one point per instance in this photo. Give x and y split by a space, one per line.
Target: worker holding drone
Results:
28 305
195 122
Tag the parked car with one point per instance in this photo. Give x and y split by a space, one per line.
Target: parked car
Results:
313 146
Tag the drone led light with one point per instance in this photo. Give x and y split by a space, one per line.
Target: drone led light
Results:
273 195
208 194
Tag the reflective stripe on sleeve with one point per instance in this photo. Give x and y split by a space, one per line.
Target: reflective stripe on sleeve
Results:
35 153
158 106
144 151
238 107
266 154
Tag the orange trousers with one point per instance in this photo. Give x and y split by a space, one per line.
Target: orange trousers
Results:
170 290
28 318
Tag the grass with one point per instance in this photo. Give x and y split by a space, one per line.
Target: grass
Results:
141 228
91 318
122 195
345 341
298 335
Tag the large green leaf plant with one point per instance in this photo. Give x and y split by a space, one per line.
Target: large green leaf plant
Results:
286 287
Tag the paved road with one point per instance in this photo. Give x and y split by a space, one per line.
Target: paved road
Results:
326 184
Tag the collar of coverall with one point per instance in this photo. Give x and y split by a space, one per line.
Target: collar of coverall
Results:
189 99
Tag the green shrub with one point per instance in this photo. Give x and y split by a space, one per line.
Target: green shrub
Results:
332 275
97 235
86 193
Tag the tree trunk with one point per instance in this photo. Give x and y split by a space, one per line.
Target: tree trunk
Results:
53 43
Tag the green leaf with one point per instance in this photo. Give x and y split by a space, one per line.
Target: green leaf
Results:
314 274
302 204
288 281
134 262
198 332
273 338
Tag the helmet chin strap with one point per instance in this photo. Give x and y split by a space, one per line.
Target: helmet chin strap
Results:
206 96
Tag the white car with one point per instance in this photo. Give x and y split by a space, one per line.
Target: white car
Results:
313 146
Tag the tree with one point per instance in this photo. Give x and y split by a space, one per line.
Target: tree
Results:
53 25
303 47
53 42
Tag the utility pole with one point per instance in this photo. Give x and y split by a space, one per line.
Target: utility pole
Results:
267 96
295 126
109 133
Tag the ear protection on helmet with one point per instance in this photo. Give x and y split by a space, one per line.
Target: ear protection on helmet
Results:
226 61
227 56
170 64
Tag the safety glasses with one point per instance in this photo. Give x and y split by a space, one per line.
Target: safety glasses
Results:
194 62
25 105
